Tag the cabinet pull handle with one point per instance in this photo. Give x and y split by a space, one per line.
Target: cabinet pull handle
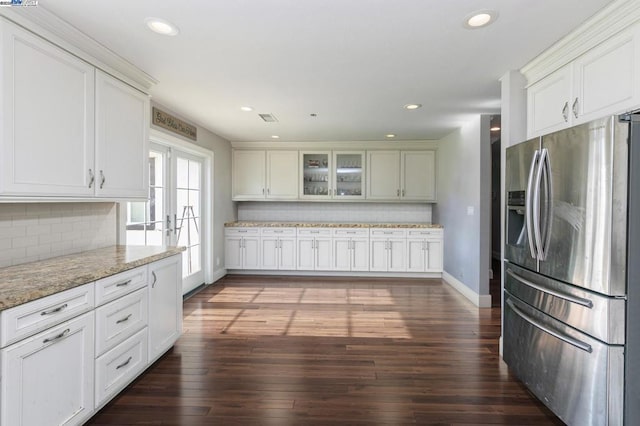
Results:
403 192
54 310
153 274
92 178
124 363
574 108
565 111
398 192
102 179
262 191
268 191
126 283
56 337
120 321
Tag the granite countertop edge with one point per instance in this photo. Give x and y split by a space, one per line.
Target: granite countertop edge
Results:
249 224
27 282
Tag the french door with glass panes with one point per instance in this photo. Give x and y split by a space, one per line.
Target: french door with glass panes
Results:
173 213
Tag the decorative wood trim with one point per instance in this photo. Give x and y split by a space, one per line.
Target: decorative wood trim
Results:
480 300
45 24
340 145
614 18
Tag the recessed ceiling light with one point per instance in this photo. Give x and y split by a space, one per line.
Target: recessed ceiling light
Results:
480 19
161 26
246 108
495 129
275 137
390 135
412 106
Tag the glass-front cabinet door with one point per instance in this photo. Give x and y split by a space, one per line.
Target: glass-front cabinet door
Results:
348 179
316 174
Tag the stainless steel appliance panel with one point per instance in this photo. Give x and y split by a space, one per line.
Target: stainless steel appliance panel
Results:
596 315
587 245
518 242
579 378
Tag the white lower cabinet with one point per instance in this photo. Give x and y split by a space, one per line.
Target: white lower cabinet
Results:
278 248
387 250
242 248
314 249
350 249
424 251
47 379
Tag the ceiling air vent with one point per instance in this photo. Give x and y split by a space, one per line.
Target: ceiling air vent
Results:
269 118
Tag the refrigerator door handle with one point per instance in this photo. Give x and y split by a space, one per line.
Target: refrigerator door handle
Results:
536 203
548 216
569 298
528 202
567 339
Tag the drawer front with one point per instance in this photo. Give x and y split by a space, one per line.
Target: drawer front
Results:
120 319
314 232
31 318
110 288
416 233
116 368
387 233
278 231
351 232
241 231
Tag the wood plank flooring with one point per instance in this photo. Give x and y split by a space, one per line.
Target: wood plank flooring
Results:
323 351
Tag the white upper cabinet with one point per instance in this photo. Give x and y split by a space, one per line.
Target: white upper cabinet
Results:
401 175
260 175
602 81
47 145
122 149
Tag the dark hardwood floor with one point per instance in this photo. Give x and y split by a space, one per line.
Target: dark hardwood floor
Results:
314 351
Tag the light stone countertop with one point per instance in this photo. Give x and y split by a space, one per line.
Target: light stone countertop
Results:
330 225
30 281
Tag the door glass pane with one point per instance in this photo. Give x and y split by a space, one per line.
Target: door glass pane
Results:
189 176
182 173
316 174
348 174
145 219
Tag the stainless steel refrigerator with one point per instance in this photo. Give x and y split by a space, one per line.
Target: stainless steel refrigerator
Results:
572 270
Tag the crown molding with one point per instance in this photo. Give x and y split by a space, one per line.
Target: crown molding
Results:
339 145
614 18
45 24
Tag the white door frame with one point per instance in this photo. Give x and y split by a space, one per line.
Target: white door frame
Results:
164 139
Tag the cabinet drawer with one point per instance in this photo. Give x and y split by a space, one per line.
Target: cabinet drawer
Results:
278 231
110 288
315 232
241 231
118 320
414 233
116 368
350 232
28 319
387 233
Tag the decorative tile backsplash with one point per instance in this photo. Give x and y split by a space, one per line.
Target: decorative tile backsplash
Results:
334 212
37 231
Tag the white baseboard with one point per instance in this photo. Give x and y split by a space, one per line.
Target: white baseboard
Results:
481 301
337 273
219 274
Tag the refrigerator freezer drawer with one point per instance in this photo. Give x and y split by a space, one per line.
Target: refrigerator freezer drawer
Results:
579 378
595 314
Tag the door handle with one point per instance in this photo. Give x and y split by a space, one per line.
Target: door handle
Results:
565 112
56 337
548 213
155 278
102 179
92 178
536 203
528 206
574 108
569 298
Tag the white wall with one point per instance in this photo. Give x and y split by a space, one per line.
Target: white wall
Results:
224 209
464 208
38 231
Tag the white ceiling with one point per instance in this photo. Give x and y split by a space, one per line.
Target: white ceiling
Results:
354 63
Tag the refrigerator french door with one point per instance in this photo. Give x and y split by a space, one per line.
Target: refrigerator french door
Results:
566 312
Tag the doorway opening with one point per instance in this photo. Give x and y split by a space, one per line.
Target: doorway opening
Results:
496 263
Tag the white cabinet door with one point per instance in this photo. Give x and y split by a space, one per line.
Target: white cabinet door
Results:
341 254
282 175
606 78
416 256
47 110
397 254
233 252
47 379
349 175
269 252
165 305
434 255
122 139
251 253
548 103
360 254
323 254
383 175
248 181
306 254
287 253
418 175
378 254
